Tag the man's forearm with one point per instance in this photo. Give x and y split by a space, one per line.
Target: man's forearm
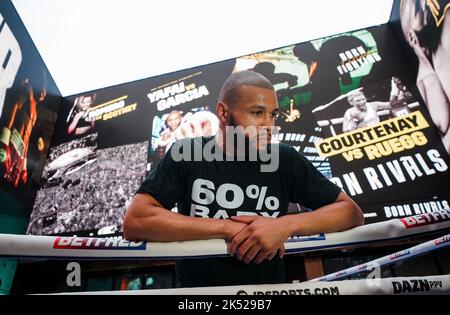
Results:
73 125
381 105
336 217
348 125
166 226
81 130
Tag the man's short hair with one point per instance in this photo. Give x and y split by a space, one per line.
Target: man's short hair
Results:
353 95
174 112
230 94
306 52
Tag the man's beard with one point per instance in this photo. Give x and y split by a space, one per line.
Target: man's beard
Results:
249 144
234 141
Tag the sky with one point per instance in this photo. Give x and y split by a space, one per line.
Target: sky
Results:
91 44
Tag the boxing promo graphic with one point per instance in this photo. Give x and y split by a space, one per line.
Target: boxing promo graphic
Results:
347 102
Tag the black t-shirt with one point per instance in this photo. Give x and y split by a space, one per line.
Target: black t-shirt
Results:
221 189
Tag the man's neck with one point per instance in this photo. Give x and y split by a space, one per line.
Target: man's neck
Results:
228 146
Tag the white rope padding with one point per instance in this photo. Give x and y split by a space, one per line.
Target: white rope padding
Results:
412 285
26 246
405 254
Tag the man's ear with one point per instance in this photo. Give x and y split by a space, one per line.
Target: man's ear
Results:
222 112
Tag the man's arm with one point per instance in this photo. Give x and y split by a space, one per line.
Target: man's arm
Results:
146 219
343 214
74 123
82 130
350 123
436 101
262 238
377 106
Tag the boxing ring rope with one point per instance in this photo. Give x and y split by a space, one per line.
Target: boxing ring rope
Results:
405 254
371 285
51 247
410 285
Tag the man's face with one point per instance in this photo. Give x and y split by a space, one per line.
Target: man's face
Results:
173 121
410 18
85 102
257 108
359 102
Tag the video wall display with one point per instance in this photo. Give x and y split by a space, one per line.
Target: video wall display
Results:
348 102
29 104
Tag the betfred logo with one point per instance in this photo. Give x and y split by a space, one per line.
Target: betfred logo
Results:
442 240
399 254
97 243
426 219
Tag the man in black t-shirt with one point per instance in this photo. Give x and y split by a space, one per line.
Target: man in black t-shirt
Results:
238 191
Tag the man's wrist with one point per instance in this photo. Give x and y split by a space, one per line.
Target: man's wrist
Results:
225 229
289 224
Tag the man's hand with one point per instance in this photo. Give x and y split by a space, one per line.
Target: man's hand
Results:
79 115
260 240
357 117
232 228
